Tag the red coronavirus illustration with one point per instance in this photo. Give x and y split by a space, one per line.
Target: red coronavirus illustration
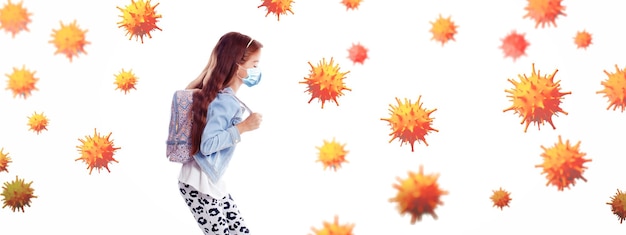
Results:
500 198
69 40
514 45
410 122
563 164
357 53
582 39
351 4
17 194
618 205
615 89
418 194
332 154
334 228
544 11
97 151
125 81
443 30
139 19
4 160
325 82
277 7
38 122
536 98
14 18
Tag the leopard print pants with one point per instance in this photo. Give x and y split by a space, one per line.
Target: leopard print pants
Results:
215 217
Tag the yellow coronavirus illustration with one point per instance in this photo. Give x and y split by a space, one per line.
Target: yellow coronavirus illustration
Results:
38 122
139 19
418 194
410 122
615 89
17 194
563 164
582 39
536 98
351 4
618 205
22 82
69 40
332 154
97 151
544 11
4 160
14 18
125 80
277 7
443 30
325 81
334 228
500 198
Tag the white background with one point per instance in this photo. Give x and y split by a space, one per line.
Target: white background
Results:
273 177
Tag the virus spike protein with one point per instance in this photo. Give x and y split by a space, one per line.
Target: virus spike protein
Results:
332 154
351 4
325 82
139 19
618 205
278 7
38 122
615 89
563 164
334 228
17 194
125 81
4 161
514 45
443 30
97 151
22 82
410 122
582 39
69 40
500 198
418 194
14 18
357 53
544 11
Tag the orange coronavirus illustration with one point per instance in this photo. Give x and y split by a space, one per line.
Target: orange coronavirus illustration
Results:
332 154
563 164
618 205
4 160
14 18
325 81
582 39
69 40
418 194
357 53
277 7
125 80
410 122
536 98
38 122
351 4
443 30
97 151
17 194
334 228
514 45
544 11
139 19
500 198
22 82
615 89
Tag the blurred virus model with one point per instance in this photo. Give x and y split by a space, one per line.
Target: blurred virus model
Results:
500 198
618 205
514 45
615 89
357 53
17 194
443 30
562 164
418 194
69 40
4 161
139 19
125 80
325 82
38 122
278 7
97 151
544 11
334 229
332 154
536 98
14 18
410 122
582 39
22 82
351 4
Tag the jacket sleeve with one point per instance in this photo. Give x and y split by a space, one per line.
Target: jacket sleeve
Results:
220 132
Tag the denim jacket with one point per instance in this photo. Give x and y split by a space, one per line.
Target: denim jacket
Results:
220 136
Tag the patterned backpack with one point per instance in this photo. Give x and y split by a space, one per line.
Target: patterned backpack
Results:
179 138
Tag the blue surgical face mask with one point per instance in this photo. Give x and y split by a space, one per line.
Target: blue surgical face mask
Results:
253 78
